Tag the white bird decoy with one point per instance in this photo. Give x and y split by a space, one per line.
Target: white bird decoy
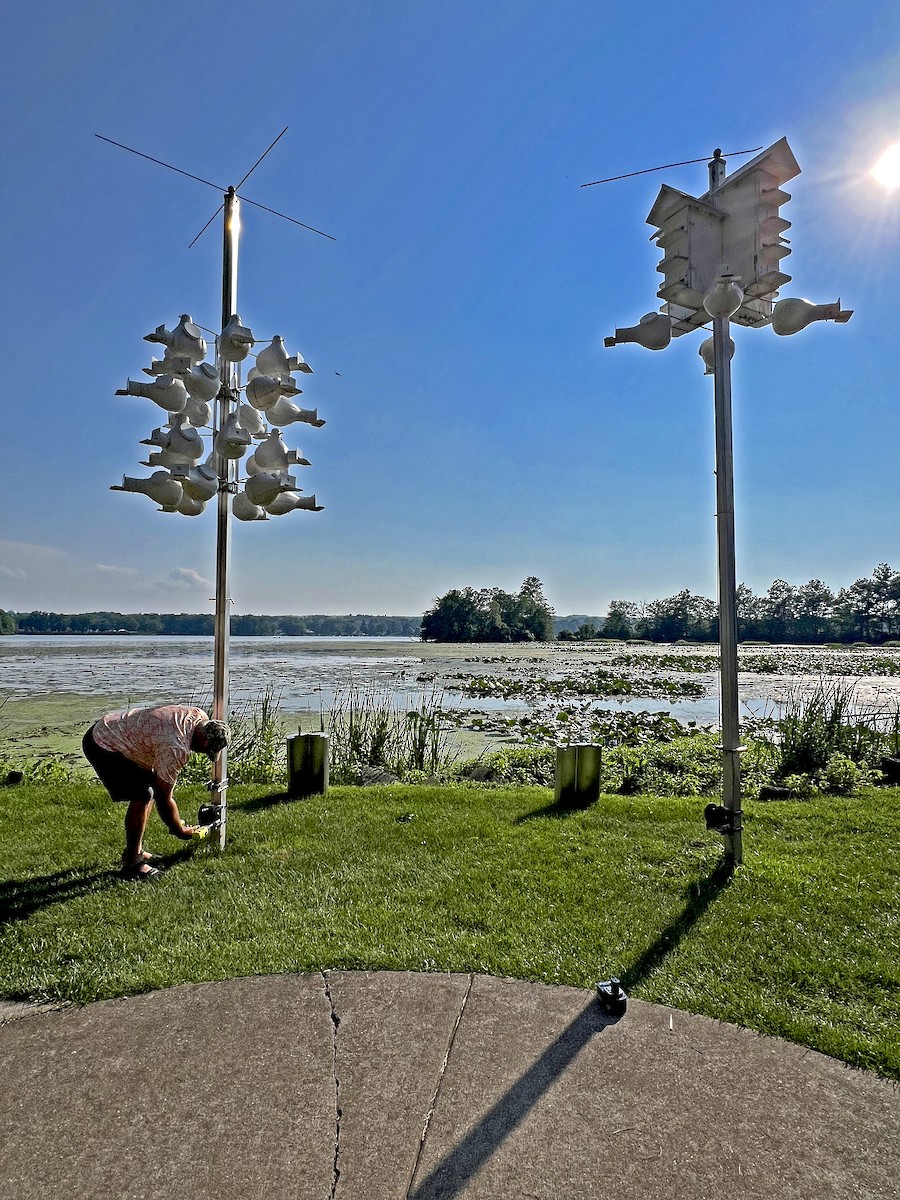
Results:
274 360
707 352
202 381
198 412
186 338
199 482
245 510
160 487
288 501
232 439
284 412
270 454
294 459
168 392
235 341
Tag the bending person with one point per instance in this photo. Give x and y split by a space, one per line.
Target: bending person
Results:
138 754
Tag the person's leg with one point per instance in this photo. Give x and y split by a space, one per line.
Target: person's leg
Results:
128 782
135 823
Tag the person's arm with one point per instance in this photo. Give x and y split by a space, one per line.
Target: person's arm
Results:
168 811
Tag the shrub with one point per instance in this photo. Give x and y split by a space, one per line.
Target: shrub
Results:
685 766
50 769
845 777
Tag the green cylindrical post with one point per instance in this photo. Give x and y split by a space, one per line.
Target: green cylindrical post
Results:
308 760
577 775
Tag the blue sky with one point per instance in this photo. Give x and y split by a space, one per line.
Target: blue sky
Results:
478 432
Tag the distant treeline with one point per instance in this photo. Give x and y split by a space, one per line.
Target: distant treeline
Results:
201 624
867 611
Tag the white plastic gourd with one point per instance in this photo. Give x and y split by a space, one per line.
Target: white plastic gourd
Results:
185 339
235 340
167 391
232 439
288 501
245 510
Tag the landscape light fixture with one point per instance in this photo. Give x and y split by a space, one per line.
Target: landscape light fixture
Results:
722 258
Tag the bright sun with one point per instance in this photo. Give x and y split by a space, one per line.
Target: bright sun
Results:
887 169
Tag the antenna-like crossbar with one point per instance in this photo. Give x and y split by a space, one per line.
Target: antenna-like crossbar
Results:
219 188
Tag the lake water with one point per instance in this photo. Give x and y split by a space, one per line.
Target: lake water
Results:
309 672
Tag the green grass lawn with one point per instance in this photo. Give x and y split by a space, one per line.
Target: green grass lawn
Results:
803 941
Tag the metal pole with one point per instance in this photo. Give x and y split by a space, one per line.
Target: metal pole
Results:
728 701
731 748
226 469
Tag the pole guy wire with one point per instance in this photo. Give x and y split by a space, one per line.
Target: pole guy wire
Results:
666 166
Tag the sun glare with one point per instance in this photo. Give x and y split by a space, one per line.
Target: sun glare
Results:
887 169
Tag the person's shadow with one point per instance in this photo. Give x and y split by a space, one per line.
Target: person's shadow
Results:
19 898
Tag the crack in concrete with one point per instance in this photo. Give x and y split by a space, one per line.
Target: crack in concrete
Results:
335 1025
440 1080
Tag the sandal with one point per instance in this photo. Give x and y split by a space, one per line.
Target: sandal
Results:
141 872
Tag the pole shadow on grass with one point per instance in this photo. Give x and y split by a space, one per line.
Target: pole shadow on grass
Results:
19 898
556 808
452 1174
261 802
700 897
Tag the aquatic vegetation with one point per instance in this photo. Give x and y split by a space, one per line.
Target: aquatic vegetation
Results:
595 681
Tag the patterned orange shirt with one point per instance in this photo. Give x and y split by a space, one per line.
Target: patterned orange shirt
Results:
158 739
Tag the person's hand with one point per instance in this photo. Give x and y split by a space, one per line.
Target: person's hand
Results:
189 831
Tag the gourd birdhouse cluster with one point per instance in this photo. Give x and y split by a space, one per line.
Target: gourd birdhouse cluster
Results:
196 458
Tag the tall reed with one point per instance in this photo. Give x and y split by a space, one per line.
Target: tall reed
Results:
368 729
814 727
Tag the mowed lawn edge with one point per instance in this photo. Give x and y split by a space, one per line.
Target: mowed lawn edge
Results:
802 942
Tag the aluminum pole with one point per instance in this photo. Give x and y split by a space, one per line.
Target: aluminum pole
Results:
226 469
731 748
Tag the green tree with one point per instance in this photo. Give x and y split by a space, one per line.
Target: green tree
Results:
748 612
586 632
454 618
814 611
779 610
620 619
680 616
490 615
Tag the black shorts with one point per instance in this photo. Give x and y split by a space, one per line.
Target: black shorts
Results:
122 778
